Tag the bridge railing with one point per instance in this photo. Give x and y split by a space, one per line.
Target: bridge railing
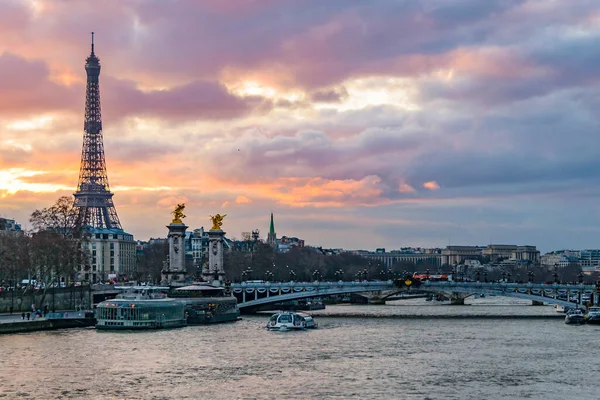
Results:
374 284
510 285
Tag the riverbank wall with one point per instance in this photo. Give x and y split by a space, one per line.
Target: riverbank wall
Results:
68 298
45 325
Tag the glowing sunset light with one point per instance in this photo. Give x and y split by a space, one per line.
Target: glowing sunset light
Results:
14 180
30 124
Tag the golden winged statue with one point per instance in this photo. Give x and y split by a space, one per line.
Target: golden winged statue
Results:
217 221
178 214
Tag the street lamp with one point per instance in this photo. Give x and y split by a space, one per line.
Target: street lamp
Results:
292 275
477 275
246 273
555 274
580 276
268 276
339 274
317 275
530 276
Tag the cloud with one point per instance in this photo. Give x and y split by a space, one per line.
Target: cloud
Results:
431 185
242 200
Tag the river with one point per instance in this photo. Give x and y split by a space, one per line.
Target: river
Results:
358 352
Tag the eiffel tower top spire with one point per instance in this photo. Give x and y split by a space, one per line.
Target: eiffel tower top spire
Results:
92 44
93 197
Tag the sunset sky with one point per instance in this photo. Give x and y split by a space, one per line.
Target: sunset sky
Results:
359 124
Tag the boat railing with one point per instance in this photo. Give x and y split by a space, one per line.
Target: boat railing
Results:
141 296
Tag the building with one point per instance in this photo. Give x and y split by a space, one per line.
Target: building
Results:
286 243
199 247
499 252
9 225
452 255
387 260
589 259
112 256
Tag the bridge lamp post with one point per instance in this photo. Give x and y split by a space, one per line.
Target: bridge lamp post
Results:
509 277
339 274
503 276
477 275
317 275
268 276
292 275
485 276
580 277
530 276
555 274
246 273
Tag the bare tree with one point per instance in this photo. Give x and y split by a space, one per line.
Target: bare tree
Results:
58 246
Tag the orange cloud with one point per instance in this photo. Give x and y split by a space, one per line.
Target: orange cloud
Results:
431 185
242 200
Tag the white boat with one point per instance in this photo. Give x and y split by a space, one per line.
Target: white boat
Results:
593 315
309 322
575 316
288 320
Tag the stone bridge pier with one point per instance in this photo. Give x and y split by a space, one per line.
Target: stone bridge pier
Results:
457 298
378 297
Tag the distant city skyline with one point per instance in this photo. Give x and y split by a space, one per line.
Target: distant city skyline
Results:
359 125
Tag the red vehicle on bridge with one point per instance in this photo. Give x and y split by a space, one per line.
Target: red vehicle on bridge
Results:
432 277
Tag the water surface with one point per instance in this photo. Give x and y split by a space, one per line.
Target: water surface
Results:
347 357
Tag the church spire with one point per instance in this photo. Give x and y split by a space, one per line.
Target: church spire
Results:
272 237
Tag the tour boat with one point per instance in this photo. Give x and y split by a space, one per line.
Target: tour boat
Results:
575 316
152 307
287 320
593 315
141 308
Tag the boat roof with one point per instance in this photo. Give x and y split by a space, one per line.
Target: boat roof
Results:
197 287
148 288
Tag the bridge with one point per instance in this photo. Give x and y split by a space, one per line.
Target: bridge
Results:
252 295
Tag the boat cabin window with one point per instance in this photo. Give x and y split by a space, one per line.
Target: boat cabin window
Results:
285 318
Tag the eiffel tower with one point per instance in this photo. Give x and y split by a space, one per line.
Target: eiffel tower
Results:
93 197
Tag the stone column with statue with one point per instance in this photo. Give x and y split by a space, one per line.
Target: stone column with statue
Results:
214 271
174 272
